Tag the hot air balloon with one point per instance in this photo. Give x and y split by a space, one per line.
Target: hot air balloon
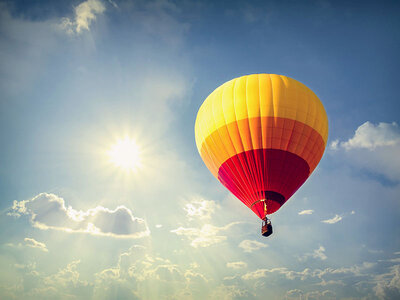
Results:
262 136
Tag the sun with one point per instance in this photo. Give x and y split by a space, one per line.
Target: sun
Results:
125 154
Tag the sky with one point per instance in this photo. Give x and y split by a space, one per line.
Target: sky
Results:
78 76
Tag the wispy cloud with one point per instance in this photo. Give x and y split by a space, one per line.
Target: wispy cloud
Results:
85 14
237 265
333 220
113 3
260 273
206 236
48 211
250 246
317 254
30 242
306 212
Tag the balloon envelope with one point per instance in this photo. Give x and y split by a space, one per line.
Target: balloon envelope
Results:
262 135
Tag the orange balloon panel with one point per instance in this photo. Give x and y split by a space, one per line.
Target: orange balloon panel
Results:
262 135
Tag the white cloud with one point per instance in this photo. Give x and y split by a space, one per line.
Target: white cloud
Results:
334 145
35 244
63 284
167 272
113 3
29 242
317 254
250 246
237 265
137 269
255 274
64 276
371 136
319 276
48 211
333 220
192 276
85 14
294 294
200 208
227 292
306 212
206 236
261 273
318 295
388 284
373 147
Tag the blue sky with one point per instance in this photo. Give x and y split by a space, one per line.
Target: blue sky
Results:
77 76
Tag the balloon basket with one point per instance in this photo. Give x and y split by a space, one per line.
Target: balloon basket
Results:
266 227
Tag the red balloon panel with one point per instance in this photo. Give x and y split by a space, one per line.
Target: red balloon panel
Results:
259 174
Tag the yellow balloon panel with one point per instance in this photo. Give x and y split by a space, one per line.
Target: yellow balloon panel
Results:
258 95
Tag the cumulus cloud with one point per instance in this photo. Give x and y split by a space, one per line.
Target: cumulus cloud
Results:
200 208
35 244
237 265
206 236
250 246
373 147
333 220
371 136
48 211
85 14
306 212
